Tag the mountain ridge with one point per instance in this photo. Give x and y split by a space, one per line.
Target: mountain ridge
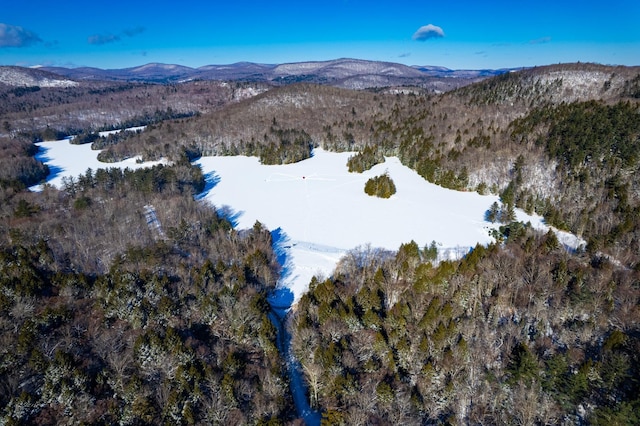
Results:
343 72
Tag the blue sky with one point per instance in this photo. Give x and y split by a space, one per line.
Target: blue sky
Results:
459 35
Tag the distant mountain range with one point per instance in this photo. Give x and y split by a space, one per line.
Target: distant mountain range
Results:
347 73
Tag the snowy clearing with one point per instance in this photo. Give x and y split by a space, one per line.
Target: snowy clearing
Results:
129 129
317 210
323 212
68 160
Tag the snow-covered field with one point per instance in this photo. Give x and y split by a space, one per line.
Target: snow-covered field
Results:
68 160
317 210
323 211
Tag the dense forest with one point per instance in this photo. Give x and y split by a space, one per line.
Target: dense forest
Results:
516 333
108 317
124 300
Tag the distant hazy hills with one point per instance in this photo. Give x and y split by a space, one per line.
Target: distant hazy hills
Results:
347 73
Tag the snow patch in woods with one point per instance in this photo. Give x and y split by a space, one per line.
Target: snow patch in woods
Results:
67 160
323 211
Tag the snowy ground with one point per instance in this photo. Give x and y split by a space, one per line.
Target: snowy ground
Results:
68 160
317 210
323 211
129 129
320 210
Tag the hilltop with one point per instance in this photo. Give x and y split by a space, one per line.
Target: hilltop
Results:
346 73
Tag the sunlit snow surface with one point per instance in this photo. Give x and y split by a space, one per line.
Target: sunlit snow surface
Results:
317 210
68 160
323 210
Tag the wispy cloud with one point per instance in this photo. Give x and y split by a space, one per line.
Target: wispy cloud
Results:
99 39
541 40
428 32
14 36
404 55
130 32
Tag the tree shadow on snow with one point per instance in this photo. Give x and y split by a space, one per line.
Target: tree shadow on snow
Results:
280 300
211 179
282 297
54 171
226 212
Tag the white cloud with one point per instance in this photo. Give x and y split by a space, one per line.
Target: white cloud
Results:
427 32
14 36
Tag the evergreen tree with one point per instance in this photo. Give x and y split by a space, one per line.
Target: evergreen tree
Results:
380 186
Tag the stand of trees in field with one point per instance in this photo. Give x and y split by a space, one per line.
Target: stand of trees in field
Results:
380 186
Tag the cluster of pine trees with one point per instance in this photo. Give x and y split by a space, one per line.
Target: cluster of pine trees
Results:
380 186
365 159
596 147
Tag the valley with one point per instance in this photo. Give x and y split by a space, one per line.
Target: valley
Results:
498 284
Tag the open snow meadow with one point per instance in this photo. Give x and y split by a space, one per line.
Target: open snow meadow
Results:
321 210
317 210
68 160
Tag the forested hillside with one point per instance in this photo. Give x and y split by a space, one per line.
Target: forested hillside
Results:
560 141
519 333
47 112
124 300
